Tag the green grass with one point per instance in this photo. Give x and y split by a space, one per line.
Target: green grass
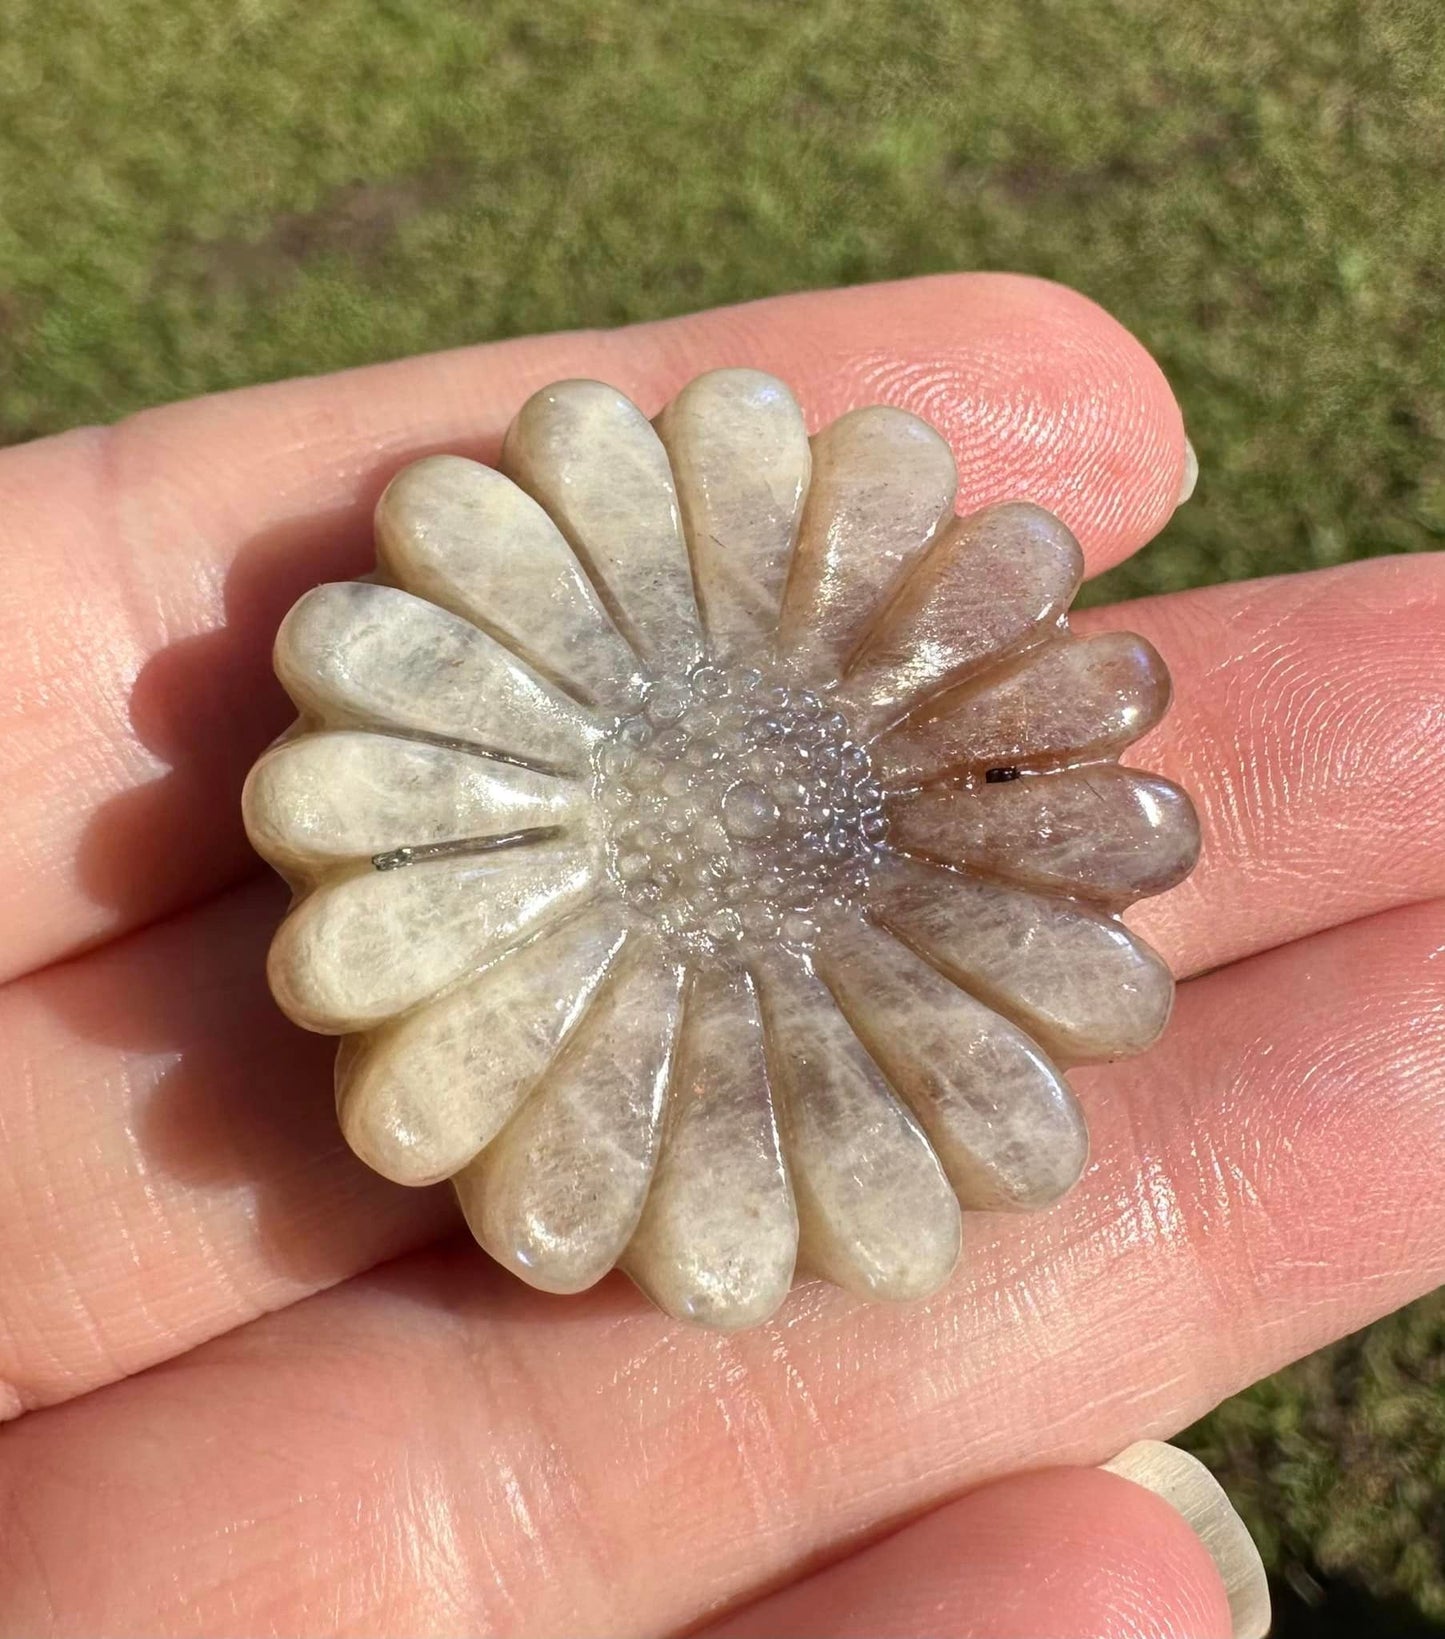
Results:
195 196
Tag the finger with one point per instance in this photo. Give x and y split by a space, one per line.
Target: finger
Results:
426 1449
1317 806
147 566
1074 1553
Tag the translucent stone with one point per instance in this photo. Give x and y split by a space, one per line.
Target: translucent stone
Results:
883 484
423 1094
1081 698
588 455
556 1197
354 654
713 850
991 584
719 1233
740 454
467 538
316 802
1105 832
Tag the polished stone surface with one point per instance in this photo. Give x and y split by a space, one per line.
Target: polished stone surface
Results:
711 848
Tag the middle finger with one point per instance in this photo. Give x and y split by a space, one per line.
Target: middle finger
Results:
175 1168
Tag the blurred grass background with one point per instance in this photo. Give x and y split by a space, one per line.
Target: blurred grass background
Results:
196 196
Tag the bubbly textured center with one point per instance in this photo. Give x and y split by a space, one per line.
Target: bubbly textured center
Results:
738 806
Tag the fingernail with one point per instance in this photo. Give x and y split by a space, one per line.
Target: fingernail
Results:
1191 474
1190 1489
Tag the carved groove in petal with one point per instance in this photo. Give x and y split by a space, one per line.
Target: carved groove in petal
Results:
469 539
1001 1118
1077 981
326 798
356 654
877 1214
719 1234
740 456
1070 699
557 1195
420 1096
883 483
1111 834
591 457
991 583
361 950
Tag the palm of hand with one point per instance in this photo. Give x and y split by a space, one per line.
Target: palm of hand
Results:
423 1446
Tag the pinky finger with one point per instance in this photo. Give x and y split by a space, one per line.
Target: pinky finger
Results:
1075 1553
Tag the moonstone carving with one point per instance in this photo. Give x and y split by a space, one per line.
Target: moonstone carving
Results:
712 848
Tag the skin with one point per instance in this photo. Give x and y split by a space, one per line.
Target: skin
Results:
257 1390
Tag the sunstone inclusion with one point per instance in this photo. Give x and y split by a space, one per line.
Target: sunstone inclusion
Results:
737 806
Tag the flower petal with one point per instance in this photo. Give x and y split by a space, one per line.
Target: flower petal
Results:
1070 698
1108 833
468 539
356 654
719 1235
370 946
590 456
1078 982
877 1214
883 483
346 794
420 1096
739 453
556 1196
1002 1119
992 582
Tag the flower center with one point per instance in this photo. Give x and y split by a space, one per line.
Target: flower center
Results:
737 806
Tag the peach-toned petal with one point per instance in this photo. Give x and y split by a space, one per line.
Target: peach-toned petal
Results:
1108 833
991 583
883 484
1067 700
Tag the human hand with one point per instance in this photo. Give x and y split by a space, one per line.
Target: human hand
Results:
353 1424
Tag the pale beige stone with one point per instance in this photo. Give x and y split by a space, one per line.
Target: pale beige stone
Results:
355 654
713 849
877 1214
883 484
557 1196
990 584
740 454
1071 699
419 1097
466 538
1002 1119
1081 985
590 456
719 1234
364 948
322 800
1109 833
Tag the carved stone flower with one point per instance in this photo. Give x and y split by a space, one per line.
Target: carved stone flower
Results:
712 848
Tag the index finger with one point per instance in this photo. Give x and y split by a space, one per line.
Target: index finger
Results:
149 563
